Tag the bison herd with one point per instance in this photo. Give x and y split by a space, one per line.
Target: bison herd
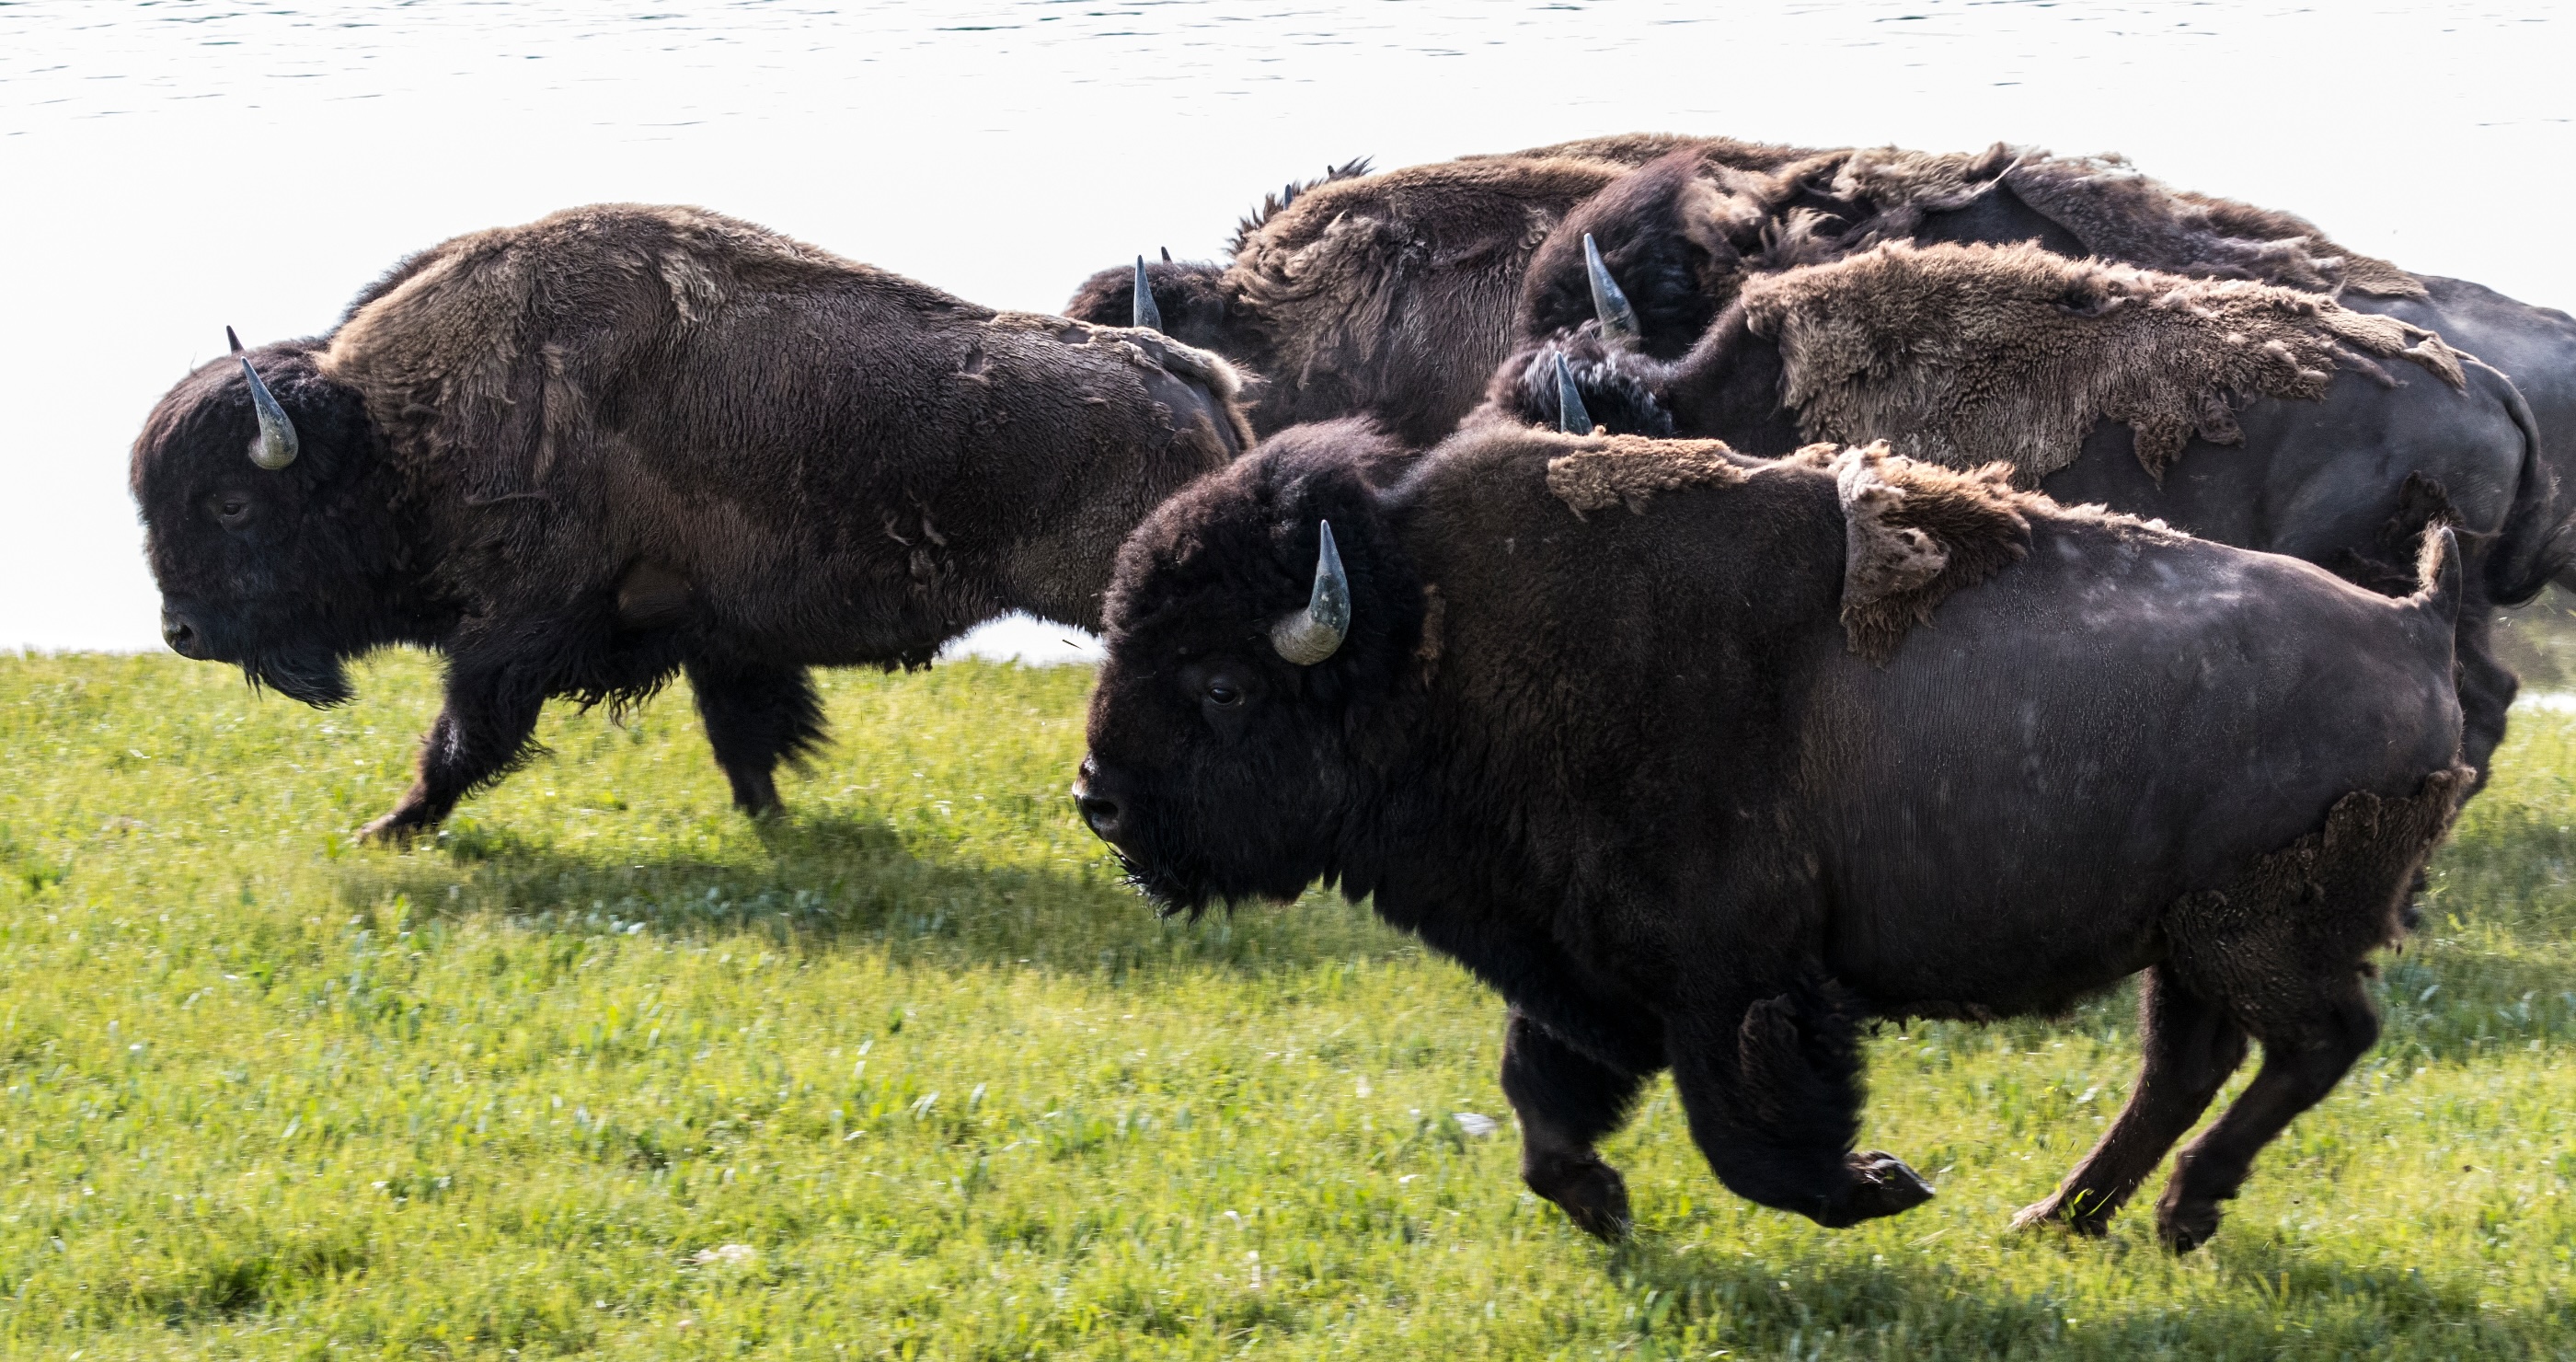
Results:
1723 594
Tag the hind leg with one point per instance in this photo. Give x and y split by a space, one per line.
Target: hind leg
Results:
2301 1064
2190 1046
1567 1101
2486 686
756 717
1772 1088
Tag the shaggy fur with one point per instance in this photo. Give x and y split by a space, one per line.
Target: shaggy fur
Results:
623 441
1975 353
1388 295
1598 733
1915 533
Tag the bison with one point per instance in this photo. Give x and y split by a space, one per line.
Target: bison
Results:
2253 414
579 455
1703 761
1389 294
1684 233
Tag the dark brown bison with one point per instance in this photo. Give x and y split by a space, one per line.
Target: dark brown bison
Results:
1389 294
2256 415
1703 761
579 455
1684 233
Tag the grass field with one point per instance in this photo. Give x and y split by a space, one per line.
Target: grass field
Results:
909 1074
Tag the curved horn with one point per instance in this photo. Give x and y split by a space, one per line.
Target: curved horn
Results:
1570 415
277 444
1316 632
1618 320
1167 255
1147 315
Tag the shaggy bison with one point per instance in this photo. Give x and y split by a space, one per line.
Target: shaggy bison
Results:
1703 761
1388 294
2256 415
578 455
1685 233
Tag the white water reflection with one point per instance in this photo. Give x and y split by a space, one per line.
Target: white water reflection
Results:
172 167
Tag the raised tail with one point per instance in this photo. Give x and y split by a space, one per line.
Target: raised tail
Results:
2440 582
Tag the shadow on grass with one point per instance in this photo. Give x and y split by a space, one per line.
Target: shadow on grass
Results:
826 880
1765 1306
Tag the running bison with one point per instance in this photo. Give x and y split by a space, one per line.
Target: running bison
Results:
1684 235
2252 414
1390 295
578 455
1668 746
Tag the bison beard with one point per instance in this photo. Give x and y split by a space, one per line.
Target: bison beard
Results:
1668 746
582 455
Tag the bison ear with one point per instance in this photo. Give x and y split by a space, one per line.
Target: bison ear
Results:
1308 636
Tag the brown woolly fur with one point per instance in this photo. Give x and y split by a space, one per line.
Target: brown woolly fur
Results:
2115 212
1392 294
1622 726
1272 204
2258 939
1628 470
626 441
1916 532
1638 148
1967 354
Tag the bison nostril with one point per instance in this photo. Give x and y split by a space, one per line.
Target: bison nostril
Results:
1101 814
179 634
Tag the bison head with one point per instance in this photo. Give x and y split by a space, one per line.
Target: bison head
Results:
1183 300
1582 383
267 528
1259 664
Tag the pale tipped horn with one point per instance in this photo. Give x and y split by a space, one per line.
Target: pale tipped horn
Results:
1570 415
1147 315
1618 320
277 446
1316 632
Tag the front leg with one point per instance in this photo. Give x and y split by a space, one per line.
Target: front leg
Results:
756 717
1566 1101
1772 1089
481 734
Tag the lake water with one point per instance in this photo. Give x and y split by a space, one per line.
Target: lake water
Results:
172 167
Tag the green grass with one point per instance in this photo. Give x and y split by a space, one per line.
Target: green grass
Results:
954 1092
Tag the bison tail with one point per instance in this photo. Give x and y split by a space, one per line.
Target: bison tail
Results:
2439 580
1620 390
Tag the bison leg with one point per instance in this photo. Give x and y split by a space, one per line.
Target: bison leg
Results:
1773 1095
2486 686
756 717
2190 1047
481 734
2301 1065
1567 1101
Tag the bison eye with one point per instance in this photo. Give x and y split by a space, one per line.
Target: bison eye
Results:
230 508
1224 694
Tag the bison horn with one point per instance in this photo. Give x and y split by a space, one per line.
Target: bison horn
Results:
1316 632
1570 415
1167 255
1147 315
1618 320
277 445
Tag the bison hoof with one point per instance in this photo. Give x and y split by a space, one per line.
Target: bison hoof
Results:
2086 1213
1592 1195
395 829
2184 1226
1881 1185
